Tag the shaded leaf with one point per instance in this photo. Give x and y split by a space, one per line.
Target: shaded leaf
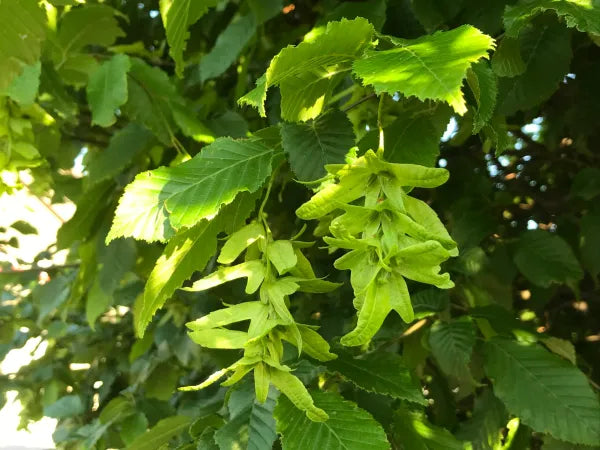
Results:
545 258
380 372
324 140
178 16
548 393
107 89
348 426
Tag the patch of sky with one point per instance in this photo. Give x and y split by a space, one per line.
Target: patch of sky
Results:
504 161
451 130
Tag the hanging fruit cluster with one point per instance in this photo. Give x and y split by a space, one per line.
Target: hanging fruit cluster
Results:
390 235
276 269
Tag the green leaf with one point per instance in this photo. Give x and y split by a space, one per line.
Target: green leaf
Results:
348 426
433 13
162 382
228 46
161 433
311 145
581 14
413 431
251 424
89 207
307 73
124 146
372 10
546 50
507 60
484 86
118 408
150 100
186 252
48 297
219 338
24 88
239 241
24 25
23 227
67 406
192 191
431 67
379 372
545 258
132 427
107 89
115 260
546 392
415 139
452 344
374 309
231 314
282 255
178 16
314 345
560 347
484 428
86 25
253 270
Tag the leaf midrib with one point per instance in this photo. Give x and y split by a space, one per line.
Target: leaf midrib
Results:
539 382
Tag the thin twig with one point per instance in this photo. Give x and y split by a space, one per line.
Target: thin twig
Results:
358 102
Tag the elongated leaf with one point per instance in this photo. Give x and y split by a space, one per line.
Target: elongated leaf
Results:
484 86
431 67
239 241
185 253
124 145
24 28
192 191
83 26
414 139
219 338
114 261
546 51
507 60
161 433
90 205
348 426
24 88
545 258
581 14
373 311
307 73
484 429
382 373
228 46
67 406
414 431
251 424
150 99
234 313
548 393
311 145
452 344
178 16
107 89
